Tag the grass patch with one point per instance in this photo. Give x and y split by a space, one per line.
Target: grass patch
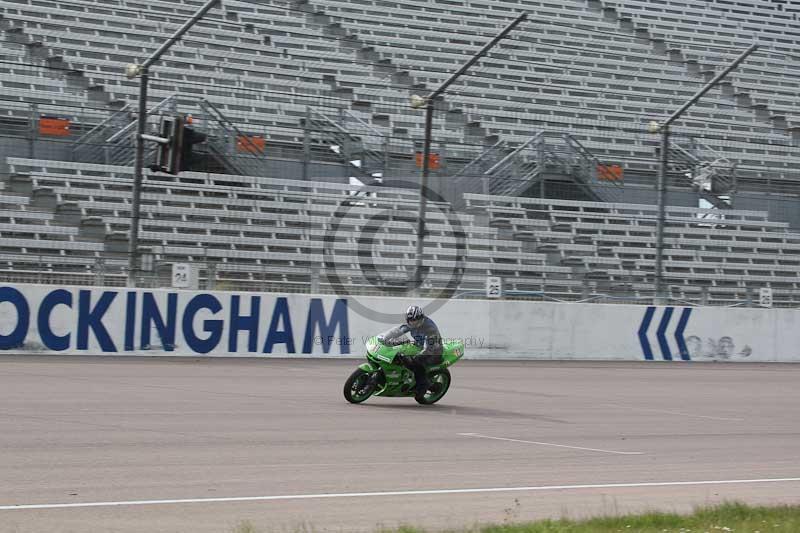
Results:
245 527
729 517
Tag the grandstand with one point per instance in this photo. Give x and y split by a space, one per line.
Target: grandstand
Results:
544 170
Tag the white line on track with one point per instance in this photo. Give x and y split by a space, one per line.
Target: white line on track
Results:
395 493
479 436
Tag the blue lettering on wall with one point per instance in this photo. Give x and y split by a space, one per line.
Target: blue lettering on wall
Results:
214 327
280 313
151 315
327 329
89 318
16 338
244 323
52 341
130 320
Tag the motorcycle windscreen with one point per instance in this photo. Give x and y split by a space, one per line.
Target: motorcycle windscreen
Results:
387 354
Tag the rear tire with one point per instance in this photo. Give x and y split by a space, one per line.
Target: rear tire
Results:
440 378
357 387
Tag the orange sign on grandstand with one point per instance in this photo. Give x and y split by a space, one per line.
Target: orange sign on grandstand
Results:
54 127
609 173
254 144
433 161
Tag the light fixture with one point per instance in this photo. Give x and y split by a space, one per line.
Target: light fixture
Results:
132 70
418 101
654 126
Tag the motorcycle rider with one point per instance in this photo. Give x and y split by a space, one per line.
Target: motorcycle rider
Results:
426 337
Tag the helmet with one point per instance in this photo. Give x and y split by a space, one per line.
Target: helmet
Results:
414 314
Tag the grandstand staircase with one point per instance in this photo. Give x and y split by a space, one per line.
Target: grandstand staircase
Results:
584 167
504 170
520 169
471 177
354 142
112 141
710 174
229 146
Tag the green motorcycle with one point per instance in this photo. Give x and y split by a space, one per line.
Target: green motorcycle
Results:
382 376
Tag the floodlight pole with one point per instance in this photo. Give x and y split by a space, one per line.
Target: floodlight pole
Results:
143 71
663 128
429 103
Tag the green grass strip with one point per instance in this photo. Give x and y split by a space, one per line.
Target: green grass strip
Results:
725 518
730 517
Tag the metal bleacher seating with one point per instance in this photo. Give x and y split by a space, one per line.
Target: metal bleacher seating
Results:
572 69
34 245
568 69
598 70
278 233
261 65
724 254
771 77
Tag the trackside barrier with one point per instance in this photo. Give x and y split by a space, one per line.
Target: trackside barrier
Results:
97 321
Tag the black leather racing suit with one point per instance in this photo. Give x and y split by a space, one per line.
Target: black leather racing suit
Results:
426 337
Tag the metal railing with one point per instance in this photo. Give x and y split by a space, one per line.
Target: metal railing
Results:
348 145
112 141
88 147
586 171
234 149
214 277
520 169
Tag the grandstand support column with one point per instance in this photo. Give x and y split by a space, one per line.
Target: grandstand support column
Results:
663 128
307 144
429 103
423 197
138 171
540 162
34 129
143 71
385 170
661 219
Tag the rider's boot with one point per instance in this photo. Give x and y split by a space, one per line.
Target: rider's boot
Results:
422 385
421 382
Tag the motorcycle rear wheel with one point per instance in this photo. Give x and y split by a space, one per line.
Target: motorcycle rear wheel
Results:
438 377
357 387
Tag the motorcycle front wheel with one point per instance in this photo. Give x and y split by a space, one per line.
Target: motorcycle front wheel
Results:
357 388
440 382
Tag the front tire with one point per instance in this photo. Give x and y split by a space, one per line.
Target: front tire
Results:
358 388
439 379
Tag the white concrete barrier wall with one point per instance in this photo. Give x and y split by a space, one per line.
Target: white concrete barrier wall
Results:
118 321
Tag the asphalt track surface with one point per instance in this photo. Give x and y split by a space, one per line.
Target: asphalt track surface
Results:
146 444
